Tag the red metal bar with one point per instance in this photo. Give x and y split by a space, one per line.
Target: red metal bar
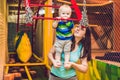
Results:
74 5
36 5
41 5
28 2
77 10
35 17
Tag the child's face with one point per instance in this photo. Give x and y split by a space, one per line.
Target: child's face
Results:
65 13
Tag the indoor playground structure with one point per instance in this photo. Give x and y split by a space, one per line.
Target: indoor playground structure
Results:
26 36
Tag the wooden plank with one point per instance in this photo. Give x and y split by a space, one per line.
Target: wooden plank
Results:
3 44
9 77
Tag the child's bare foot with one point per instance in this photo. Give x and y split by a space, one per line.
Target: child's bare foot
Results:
57 63
67 65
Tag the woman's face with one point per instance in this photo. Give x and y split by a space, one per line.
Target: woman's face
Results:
79 32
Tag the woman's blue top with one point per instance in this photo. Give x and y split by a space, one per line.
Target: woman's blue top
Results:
67 73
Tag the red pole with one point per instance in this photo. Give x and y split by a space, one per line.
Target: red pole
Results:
18 15
77 10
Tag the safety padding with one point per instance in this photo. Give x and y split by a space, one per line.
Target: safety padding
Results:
23 46
91 74
114 72
108 71
102 68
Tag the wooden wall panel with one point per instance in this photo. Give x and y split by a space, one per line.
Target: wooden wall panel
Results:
3 37
3 45
3 7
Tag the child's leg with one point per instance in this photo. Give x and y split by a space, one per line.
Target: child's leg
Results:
58 56
59 49
67 56
67 49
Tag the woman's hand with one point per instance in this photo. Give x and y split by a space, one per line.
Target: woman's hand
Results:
83 67
51 54
68 65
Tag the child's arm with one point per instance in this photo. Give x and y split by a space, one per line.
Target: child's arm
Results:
55 23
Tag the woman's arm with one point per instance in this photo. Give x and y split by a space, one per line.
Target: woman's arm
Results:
51 54
51 57
83 67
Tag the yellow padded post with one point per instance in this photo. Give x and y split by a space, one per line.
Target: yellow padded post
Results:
47 31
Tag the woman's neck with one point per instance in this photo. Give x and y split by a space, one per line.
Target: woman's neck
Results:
77 40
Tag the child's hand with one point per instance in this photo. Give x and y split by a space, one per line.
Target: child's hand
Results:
55 23
57 63
61 19
58 19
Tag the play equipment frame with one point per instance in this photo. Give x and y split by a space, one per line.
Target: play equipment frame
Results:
48 35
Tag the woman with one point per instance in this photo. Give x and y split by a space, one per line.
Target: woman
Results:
80 50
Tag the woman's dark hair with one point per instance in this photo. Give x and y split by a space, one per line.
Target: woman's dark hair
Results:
86 43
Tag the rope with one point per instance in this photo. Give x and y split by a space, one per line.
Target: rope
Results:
84 20
29 13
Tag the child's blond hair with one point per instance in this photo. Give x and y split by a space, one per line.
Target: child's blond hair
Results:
65 7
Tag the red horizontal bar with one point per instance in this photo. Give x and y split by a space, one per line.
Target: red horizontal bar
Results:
74 19
36 5
54 6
